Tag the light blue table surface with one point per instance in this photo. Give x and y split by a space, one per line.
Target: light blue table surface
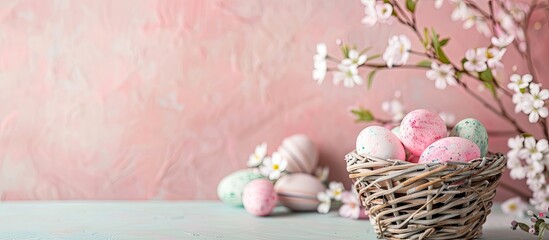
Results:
115 220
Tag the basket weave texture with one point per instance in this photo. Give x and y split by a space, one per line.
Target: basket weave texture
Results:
426 201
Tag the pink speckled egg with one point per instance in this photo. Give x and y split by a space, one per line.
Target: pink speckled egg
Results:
259 197
300 152
413 159
298 191
451 149
419 129
379 142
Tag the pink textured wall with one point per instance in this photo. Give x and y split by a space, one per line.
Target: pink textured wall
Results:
160 99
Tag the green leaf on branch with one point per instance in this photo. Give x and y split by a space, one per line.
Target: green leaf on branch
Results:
424 63
375 56
411 5
443 42
488 80
362 115
371 78
438 48
524 227
526 135
426 38
458 75
345 50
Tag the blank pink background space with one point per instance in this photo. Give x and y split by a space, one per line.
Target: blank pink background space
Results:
160 99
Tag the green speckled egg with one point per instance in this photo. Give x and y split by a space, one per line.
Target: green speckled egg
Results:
231 187
473 130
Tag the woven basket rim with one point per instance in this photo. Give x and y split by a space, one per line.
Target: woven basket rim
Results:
489 156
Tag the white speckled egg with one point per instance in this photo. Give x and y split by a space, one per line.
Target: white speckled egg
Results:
419 129
231 187
298 191
379 142
300 152
450 149
259 197
473 130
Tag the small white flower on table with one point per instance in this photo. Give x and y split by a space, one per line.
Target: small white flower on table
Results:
273 166
442 74
475 60
259 154
398 51
351 205
325 202
335 189
320 65
514 206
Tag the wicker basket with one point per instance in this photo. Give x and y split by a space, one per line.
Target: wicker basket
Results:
426 201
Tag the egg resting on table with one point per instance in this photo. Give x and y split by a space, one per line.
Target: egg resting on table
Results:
298 191
379 142
230 188
259 197
473 130
450 149
419 129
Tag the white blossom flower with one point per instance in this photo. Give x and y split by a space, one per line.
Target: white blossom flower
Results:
257 157
534 150
503 40
322 173
354 58
320 64
518 171
438 3
537 95
335 189
536 182
447 117
494 56
534 113
274 166
540 199
515 144
397 51
395 108
515 207
443 75
370 15
519 99
461 12
325 202
519 82
475 60
384 11
348 74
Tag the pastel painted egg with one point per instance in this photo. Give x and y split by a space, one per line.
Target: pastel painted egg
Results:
259 197
473 130
450 149
300 152
298 191
379 142
231 187
413 159
419 129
